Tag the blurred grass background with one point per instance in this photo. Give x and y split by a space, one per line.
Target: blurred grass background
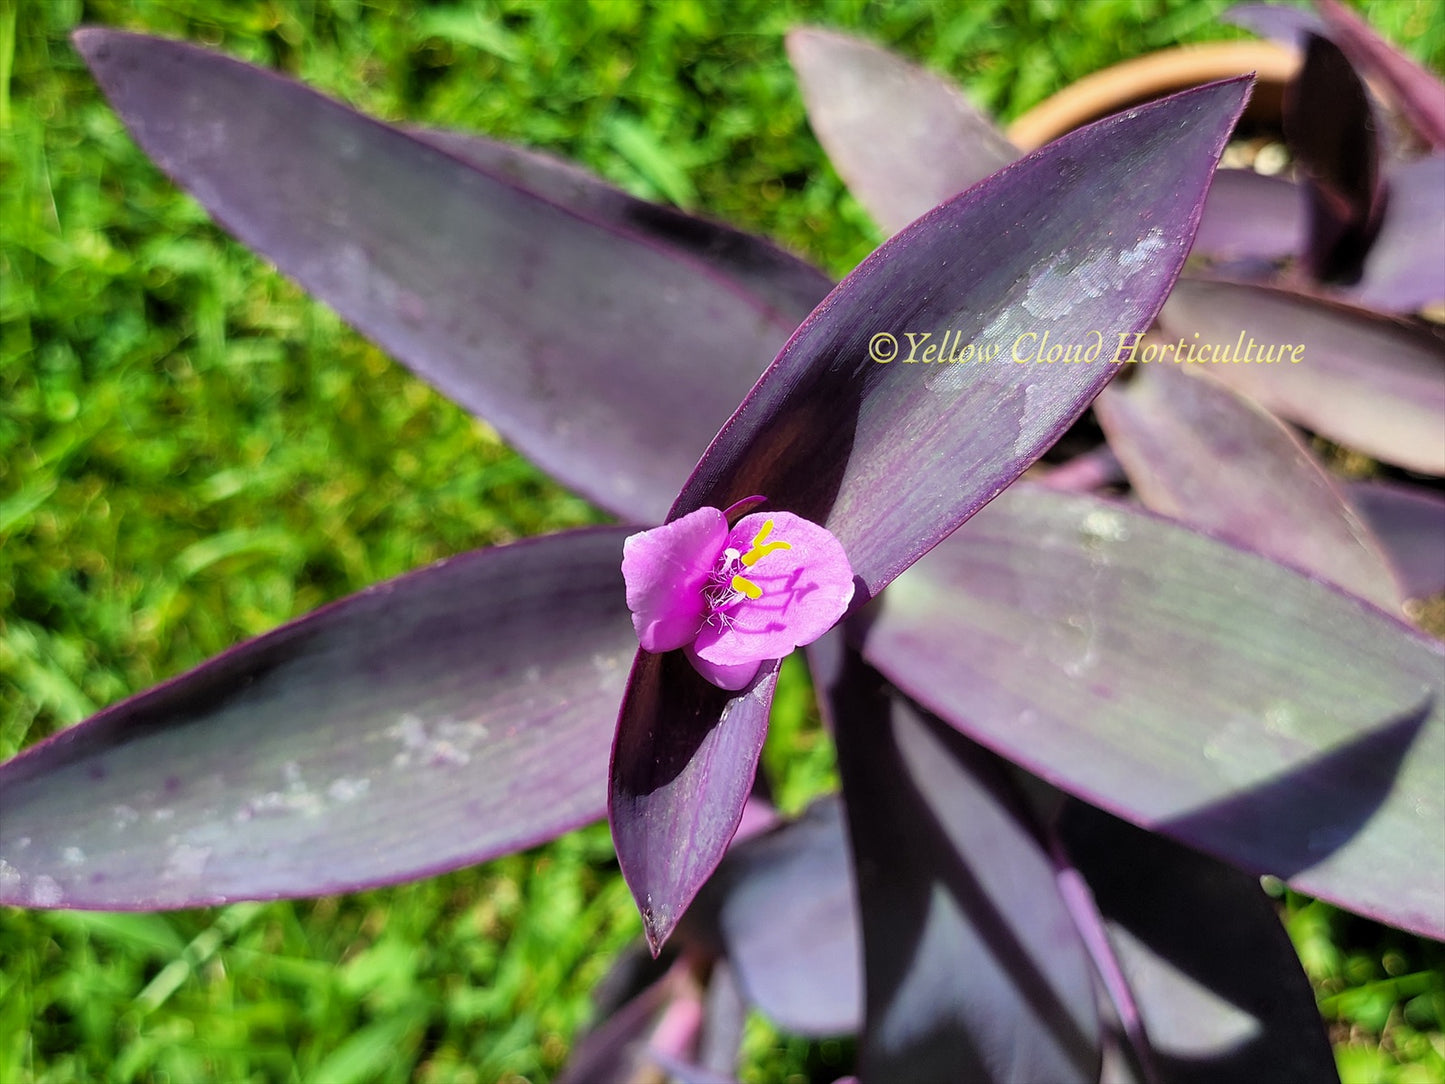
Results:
192 452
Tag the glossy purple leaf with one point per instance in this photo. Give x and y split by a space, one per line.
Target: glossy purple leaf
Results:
1191 688
435 721
1419 94
1250 217
1409 521
1404 271
1362 379
1333 133
461 272
1218 986
901 137
973 967
1199 453
782 907
1080 241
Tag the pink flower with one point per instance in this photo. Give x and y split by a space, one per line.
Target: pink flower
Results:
732 599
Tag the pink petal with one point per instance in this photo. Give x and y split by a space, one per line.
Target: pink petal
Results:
666 569
731 678
806 589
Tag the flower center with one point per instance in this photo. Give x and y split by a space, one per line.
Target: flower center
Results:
727 586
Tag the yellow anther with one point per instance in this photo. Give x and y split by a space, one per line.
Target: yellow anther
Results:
747 587
762 547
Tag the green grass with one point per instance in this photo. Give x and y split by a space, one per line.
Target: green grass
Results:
192 452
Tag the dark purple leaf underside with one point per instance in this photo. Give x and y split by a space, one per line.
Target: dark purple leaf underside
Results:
974 969
1191 688
1218 985
783 908
454 714
605 352
1079 241
1362 379
1199 453
902 138
1420 95
1417 92
1409 521
1333 133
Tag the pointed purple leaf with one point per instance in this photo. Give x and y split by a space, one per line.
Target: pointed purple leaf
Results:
903 139
782 908
974 969
1199 453
1409 521
1079 241
1057 243
543 317
1217 983
1404 271
1191 688
1365 380
680 781
454 714
1332 130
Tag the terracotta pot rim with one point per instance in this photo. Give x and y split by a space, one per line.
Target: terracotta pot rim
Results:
1148 77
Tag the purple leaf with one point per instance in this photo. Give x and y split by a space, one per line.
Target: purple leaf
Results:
1404 270
461 272
974 969
1362 379
432 722
1080 241
792 286
1334 135
1419 94
1282 23
1190 688
782 907
616 1049
1250 217
1197 452
902 138
1220 992
725 1017
1410 523
1056 243
679 782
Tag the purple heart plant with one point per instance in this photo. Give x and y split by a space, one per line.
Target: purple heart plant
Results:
1071 734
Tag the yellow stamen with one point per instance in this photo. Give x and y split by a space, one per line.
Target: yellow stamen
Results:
747 587
762 547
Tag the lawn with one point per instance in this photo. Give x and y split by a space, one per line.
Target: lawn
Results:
193 452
